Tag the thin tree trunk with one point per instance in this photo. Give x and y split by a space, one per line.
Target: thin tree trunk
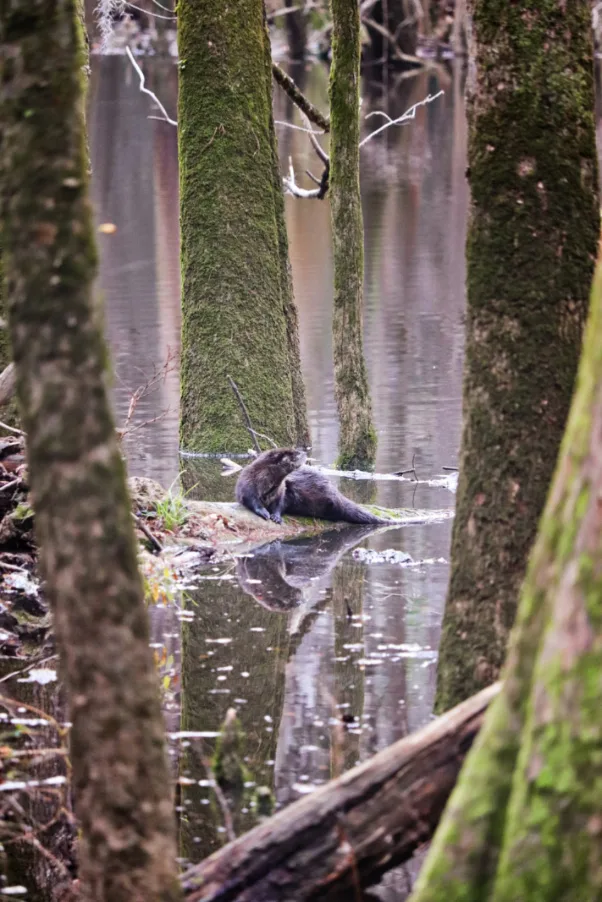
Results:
238 314
296 31
531 247
83 521
357 438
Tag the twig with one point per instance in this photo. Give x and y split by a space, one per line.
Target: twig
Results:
266 437
451 469
222 801
9 485
147 12
412 469
8 566
245 413
409 114
293 188
11 429
299 98
144 90
297 128
14 673
144 528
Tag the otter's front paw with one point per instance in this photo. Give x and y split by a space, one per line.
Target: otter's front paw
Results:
277 518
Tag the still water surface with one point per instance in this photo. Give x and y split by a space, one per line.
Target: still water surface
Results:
336 636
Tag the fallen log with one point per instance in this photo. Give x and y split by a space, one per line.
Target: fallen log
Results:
347 834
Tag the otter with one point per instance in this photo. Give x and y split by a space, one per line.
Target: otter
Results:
277 483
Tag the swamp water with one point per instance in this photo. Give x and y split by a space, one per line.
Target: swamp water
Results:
327 651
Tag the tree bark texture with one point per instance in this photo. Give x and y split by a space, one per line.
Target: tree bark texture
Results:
83 520
238 313
524 821
530 254
357 438
352 830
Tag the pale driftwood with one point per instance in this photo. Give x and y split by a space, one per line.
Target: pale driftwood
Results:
351 831
7 384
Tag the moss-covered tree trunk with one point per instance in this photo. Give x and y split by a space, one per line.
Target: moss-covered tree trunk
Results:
531 249
238 312
524 820
83 520
357 438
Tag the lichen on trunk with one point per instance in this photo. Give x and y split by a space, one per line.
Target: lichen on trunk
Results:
238 313
83 518
357 438
530 253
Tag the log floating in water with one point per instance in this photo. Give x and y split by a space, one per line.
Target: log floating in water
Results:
352 830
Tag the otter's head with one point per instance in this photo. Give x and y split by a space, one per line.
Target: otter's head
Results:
286 459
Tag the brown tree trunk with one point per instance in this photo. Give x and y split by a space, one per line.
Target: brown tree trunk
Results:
531 248
83 521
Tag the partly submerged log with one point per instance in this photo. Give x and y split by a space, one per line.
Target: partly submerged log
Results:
352 830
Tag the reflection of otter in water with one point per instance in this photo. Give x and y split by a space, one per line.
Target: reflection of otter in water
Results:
277 483
277 574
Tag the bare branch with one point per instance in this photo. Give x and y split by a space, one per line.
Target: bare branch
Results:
297 128
314 141
293 188
299 99
245 412
409 114
144 90
147 12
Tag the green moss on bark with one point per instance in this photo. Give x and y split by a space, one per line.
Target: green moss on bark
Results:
524 820
238 315
531 248
83 518
357 438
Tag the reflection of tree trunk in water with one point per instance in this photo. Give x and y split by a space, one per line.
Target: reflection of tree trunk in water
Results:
27 865
531 247
357 438
347 608
402 23
206 698
296 30
238 313
458 35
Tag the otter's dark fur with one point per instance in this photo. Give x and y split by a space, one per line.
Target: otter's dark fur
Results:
277 483
260 486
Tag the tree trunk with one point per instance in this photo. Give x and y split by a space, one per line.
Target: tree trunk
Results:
524 820
531 249
357 438
296 31
83 520
352 830
238 313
